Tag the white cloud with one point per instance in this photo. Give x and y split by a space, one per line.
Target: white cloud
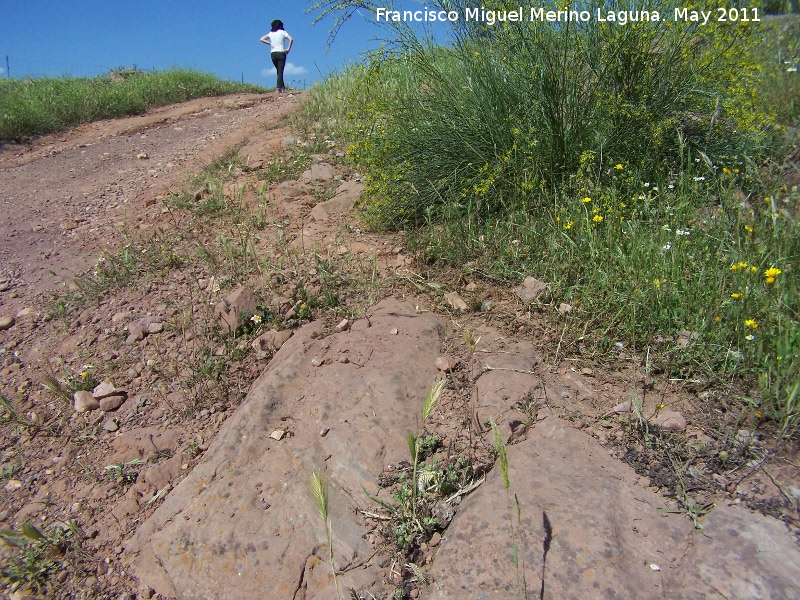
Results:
291 69
2 70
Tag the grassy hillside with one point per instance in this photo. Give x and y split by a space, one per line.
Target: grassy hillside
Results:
46 105
636 169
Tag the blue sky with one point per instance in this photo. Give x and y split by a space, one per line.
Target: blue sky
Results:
89 37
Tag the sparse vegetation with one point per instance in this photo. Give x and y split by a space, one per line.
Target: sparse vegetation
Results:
35 555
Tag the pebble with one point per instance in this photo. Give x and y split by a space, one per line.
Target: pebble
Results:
62 576
435 539
624 407
277 434
316 361
324 431
110 403
85 401
344 325
6 323
393 331
106 388
564 308
155 327
4 286
110 426
343 359
669 420
587 372
12 485
455 301
445 364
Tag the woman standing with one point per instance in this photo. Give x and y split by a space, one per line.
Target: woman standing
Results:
277 42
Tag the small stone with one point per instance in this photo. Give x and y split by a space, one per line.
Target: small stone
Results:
564 308
455 301
6 323
670 420
136 332
445 364
25 312
530 289
4 285
85 401
62 576
316 361
12 485
132 373
343 325
142 156
655 567
587 372
343 360
277 434
435 539
471 287
110 426
393 331
155 327
443 513
324 431
110 403
105 388
624 407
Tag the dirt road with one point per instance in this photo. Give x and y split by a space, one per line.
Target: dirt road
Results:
68 196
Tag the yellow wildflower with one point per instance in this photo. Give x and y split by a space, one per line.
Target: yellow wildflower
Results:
736 295
586 200
618 167
569 225
597 218
751 323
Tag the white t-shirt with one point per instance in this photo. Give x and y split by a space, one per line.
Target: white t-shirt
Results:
277 40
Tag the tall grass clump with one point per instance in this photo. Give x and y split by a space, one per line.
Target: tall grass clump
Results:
44 105
636 168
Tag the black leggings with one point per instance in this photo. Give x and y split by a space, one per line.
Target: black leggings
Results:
279 60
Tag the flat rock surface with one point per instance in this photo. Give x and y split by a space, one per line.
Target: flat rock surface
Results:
246 508
606 531
739 554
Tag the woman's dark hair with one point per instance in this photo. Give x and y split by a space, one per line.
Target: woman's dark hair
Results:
277 25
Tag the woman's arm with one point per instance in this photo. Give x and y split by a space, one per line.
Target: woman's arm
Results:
291 41
265 39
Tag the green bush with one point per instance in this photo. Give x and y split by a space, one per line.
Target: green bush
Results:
636 169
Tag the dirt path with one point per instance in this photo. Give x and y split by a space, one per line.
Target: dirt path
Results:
68 196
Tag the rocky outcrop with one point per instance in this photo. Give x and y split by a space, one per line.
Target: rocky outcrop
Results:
242 523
